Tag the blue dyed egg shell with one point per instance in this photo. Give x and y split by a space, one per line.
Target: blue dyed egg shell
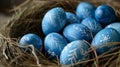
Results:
31 39
72 18
74 52
85 10
92 24
54 20
54 44
115 26
105 14
102 39
77 31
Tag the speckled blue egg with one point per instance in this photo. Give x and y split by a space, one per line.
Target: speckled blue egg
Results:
77 31
85 10
74 52
31 39
54 20
54 44
105 14
72 18
92 24
115 25
102 39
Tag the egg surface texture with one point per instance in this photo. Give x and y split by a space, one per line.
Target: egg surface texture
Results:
31 39
103 38
77 31
92 24
74 52
54 20
85 10
105 14
115 25
54 44
72 18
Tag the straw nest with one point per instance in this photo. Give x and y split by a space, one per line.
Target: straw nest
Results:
28 20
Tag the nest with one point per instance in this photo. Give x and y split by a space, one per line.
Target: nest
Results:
28 20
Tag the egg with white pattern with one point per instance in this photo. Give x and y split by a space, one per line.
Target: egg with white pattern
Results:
115 25
74 52
103 38
92 24
85 10
54 44
31 39
105 14
77 31
72 18
54 20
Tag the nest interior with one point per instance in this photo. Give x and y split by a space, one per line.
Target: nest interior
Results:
29 20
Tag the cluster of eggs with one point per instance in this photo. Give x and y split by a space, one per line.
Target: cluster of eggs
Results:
68 36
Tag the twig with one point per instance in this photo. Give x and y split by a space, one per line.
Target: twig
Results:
109 61
96 61
21 5
3 46
33 52
118 60
5 53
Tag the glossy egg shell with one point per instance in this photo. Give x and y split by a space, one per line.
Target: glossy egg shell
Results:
92 24
77 31
72 18
105 14
102 39
54 20
85 10
54 44
31 39
115 25
74 52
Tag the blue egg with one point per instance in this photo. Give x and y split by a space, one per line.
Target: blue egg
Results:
54 20
105 14
115 25
72 18
77 31
85 10
31 39
103 38
75 52
92 24
54 44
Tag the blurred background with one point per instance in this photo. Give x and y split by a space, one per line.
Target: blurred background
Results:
7 9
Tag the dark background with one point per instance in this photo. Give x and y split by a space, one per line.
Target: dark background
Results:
5 7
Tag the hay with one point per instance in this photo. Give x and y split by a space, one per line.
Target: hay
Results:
28 20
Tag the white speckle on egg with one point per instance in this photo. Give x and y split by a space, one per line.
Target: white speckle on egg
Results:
102 39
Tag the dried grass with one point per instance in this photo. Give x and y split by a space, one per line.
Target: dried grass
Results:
28 20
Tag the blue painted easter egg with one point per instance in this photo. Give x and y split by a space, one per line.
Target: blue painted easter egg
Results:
31 39
72 18
115 25
85 10
77 31
103 38
54 44
105 14
92 24
75 52
54 20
